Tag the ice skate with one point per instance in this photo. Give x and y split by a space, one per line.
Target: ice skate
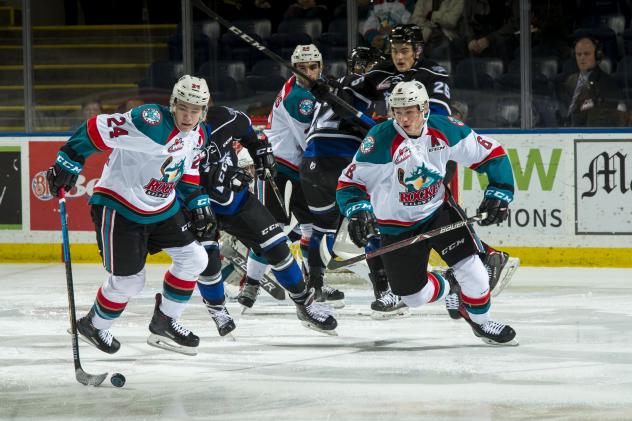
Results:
453 299
389 306
167 333
248 295
501 268
315 315
491 332
101 339
221 317
330 295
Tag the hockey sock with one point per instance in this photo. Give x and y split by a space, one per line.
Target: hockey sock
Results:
176 293
212 288
256 266
441 286
436 289
289 275
251 281
105 311
295 234
474 281
300 297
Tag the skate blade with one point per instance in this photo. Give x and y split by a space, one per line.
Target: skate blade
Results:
383 315
164 343
336 303
488 341
245 309
506 275
317 329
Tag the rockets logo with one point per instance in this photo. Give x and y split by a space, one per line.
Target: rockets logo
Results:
171 174
367 145
177 145
151 116
421 186
402 155
306 107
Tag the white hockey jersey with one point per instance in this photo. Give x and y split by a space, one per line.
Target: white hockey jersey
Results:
150 160
400 179
289 123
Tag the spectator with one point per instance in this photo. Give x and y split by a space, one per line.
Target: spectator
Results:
490 26
89 109
459 110
129 104
439 21
384 15
306 9
590 97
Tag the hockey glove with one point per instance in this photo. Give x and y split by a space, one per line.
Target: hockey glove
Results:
220 174
321 90
63 173
496 204
203 222
362 227
262 155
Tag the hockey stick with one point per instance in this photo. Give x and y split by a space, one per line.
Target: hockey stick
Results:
363 119
276 191
337 262
82 376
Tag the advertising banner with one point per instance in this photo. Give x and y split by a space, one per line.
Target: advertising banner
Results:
603 187
10 188
44 207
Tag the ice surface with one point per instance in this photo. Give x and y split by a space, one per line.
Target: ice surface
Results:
574 361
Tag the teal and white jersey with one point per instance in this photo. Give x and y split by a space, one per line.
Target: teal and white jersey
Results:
150 160
289 123
400 178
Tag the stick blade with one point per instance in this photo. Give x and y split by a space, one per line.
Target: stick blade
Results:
89 379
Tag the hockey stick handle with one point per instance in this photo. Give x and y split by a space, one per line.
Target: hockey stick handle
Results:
277 192
337 263
363 118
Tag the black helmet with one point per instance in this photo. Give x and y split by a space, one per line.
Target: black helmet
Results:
407 34
363 57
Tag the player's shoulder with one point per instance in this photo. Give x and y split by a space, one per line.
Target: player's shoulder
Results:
452 129
432 67
153 120
376 145
218 116
299 102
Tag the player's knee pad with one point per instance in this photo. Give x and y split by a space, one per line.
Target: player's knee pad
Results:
188 261
121 288
214 264
277 254
472 276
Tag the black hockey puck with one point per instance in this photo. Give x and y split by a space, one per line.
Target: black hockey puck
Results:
117 380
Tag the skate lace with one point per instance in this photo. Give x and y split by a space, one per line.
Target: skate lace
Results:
492 328
389 299
452 301
181 330
329 290
220 316
318 311
106 337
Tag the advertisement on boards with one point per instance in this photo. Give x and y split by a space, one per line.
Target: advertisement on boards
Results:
603 187
45 207
542 199
10 188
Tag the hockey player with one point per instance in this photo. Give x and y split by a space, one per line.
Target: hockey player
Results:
240 214
289 122
394 188
331 144
135 210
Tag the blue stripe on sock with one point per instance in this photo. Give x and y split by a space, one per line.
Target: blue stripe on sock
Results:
213 293
290 276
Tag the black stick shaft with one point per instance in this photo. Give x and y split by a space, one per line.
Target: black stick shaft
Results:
275 57
336 263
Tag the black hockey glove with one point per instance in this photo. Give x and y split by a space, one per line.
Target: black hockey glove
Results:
203 222
496 204
229 176
321 90
263 158
362 227
63 173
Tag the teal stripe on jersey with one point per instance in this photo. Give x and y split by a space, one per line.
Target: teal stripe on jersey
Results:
154 121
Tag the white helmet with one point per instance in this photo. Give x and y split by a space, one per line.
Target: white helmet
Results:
306 53
192 90
406 94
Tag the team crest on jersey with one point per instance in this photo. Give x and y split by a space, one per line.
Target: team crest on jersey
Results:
402 155
420 186
456 122
171 173
178 144
306 107
151 116
368 144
